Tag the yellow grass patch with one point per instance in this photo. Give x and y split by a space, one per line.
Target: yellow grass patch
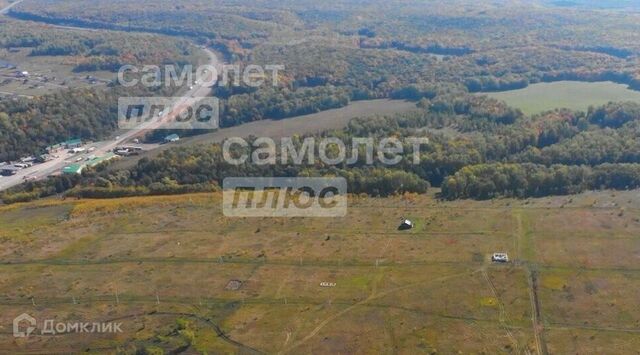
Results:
553 282
488 301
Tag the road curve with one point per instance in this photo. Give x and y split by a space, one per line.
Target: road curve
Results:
42 171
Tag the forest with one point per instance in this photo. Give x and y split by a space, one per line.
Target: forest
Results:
376 46
28 126
493 151
436 55
93 51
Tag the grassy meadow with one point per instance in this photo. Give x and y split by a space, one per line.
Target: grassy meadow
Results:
574 95
161 266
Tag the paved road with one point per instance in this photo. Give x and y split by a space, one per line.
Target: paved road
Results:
63 159
6 9
41 171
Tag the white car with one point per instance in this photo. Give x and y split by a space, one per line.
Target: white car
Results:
500 258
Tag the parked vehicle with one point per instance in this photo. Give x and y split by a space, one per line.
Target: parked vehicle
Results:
500 258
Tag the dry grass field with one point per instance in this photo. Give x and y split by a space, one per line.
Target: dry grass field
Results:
578 96
161 266
313 123
39 67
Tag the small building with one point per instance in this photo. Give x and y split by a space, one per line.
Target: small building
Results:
171 138
54 148
73 169
98 160
43 158
72 143
8 170
405 225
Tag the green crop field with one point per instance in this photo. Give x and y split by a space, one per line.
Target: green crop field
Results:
161 267
574 95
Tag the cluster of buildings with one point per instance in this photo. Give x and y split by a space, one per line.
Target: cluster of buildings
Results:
75 146
74 143
8 168
77 168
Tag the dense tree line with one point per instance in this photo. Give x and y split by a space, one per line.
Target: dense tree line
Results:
487 181
94 51
501 47
399 51
473 152
277 103
473 133
28 126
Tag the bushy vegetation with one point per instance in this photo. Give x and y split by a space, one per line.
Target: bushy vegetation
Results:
433 54
27 126
277 103
487 181
376 47
94 51
492 151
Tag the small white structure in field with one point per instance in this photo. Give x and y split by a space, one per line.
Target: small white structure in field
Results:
405 225
327 284
500 258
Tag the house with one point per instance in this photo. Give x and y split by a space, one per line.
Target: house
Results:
9 170
72 143
171 138
405 225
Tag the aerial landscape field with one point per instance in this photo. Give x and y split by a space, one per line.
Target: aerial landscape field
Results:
304 177
542 97
167 263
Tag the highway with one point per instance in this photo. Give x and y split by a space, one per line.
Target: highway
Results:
62 159
6 9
